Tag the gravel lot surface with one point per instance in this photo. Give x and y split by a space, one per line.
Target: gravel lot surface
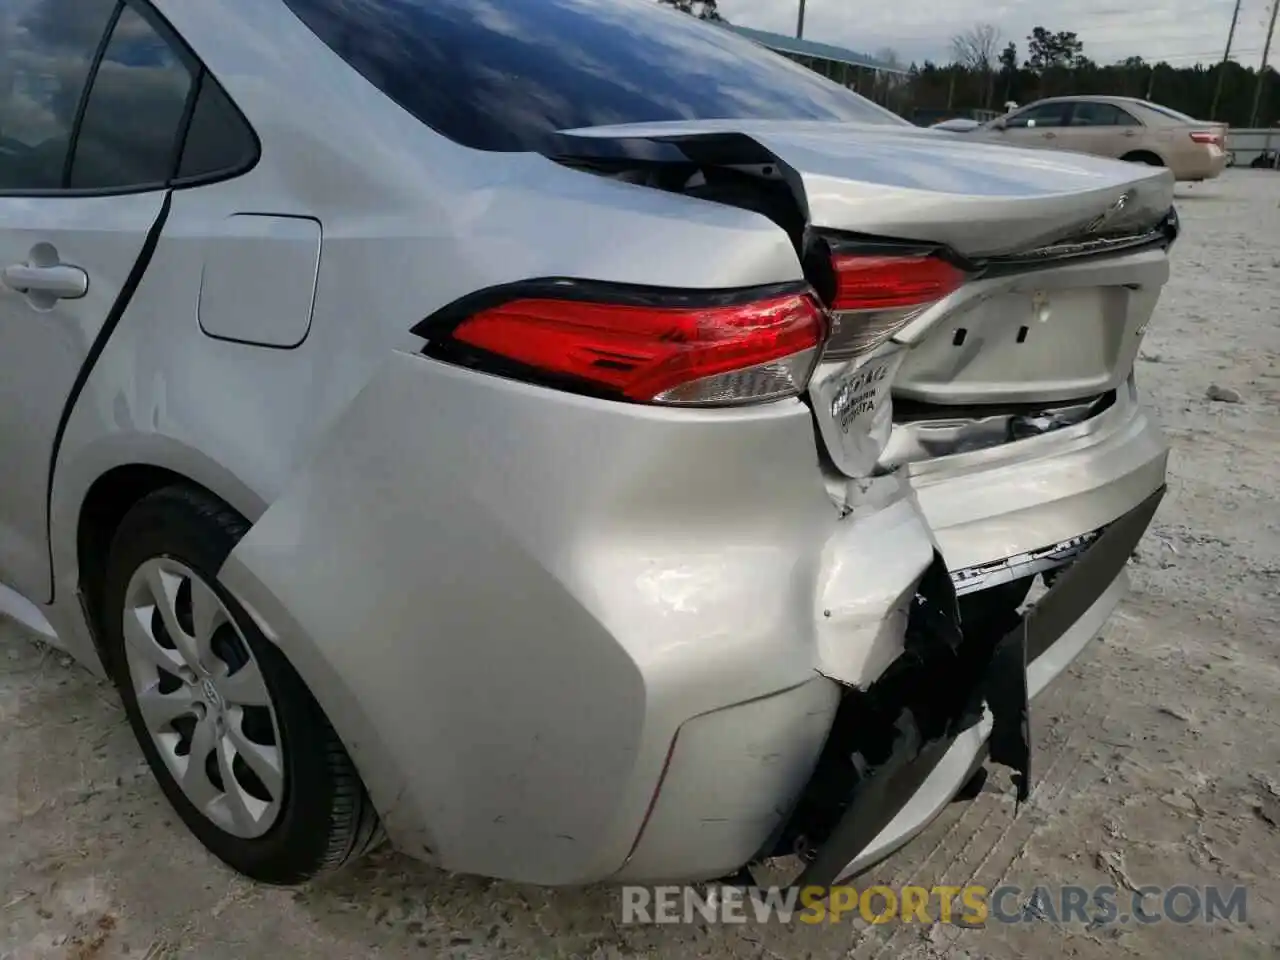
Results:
1158 758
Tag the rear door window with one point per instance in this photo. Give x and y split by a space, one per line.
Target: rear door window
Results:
1169 112
507 74
1090 114
47 48
102 96
134 116
1044 115
219 141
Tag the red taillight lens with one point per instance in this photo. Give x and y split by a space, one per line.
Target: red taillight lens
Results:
876 296
884 283
717 354
1207 138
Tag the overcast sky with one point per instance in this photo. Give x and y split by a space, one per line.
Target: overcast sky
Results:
1180 31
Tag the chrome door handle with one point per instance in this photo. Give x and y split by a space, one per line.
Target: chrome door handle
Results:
61 282
1051 136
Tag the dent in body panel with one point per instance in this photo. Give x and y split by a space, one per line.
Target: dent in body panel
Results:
645 567
229 416
474 219
411 222
162 394
399 242
379 276
857 639
1044 336
956 766
105 237
733 778
1003 501
980 199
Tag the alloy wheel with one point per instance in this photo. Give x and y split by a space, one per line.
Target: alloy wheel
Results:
203 698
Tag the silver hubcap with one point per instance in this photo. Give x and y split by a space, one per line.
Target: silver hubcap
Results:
203 699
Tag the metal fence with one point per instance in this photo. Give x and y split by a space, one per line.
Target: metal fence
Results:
1246 145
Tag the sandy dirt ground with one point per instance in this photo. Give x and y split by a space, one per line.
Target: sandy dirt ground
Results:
1158 754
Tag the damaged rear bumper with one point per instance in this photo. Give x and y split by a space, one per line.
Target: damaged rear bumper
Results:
901 750
1020 508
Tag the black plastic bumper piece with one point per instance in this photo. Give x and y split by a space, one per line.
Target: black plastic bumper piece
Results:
888 739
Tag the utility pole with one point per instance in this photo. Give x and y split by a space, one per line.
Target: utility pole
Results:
1262 73
800 22
1222 70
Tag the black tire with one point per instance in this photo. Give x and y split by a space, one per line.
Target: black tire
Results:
326 818
1141 156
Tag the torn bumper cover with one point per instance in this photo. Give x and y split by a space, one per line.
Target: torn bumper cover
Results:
888 739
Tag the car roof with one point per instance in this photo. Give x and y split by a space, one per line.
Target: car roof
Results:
1100 98
1146 108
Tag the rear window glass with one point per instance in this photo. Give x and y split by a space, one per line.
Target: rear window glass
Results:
1172 114
506 74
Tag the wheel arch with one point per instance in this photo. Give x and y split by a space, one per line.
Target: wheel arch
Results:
92 494
1145 156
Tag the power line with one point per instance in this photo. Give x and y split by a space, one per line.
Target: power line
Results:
1236 54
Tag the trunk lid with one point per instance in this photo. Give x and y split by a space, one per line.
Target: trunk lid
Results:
1035 327
980 199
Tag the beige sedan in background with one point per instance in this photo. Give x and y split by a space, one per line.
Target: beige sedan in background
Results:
1119 127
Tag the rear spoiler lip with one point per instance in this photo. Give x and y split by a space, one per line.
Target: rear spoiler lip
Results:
853 205
1164 235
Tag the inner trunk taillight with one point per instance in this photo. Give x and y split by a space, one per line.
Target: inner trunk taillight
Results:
877 295
651 347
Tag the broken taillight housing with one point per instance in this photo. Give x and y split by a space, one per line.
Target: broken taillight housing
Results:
877 295
662 350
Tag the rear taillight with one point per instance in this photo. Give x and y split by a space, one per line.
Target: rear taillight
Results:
1215 138
745 351
877 295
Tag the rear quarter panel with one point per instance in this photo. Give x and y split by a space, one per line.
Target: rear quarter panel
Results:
410 223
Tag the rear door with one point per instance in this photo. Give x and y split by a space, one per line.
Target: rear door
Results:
1039 125
1100 128
93 94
